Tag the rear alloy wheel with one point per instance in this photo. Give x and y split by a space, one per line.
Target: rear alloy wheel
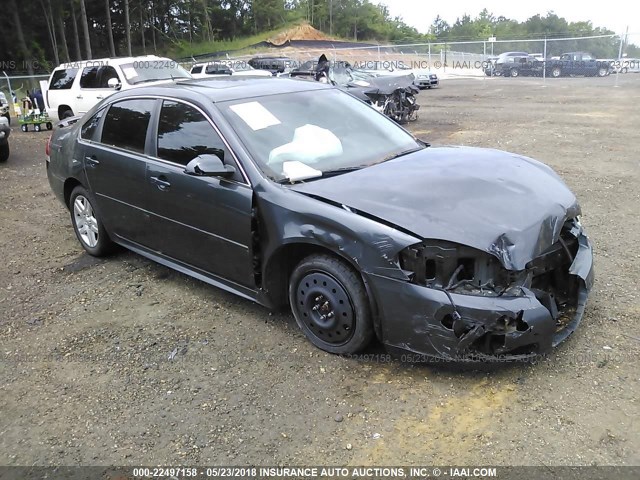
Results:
514 72
87 225
330 304
556 72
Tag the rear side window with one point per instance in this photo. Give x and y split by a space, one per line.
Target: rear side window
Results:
125 125
184 133
89 78
197 69
218 70
63 79
97 77
89 129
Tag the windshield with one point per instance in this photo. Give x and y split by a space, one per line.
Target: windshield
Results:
340 75
153 70
304 135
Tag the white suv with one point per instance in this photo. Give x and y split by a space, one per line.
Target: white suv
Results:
77 86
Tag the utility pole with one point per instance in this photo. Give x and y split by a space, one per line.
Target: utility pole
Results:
623 40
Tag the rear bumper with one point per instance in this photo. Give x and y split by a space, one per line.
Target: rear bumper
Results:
421 321
56 183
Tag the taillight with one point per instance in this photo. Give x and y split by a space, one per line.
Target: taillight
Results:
47 149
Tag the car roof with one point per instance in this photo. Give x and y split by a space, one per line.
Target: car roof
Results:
107 61
222 89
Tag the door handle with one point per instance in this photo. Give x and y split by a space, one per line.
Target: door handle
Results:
92 161
79 97
161 182
99 97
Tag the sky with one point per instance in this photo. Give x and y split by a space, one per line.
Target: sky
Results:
613 14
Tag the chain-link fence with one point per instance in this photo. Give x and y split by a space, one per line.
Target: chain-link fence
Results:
598 55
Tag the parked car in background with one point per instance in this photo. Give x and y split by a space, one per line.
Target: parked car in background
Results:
4 107
625 65
275 65
226 67
577 63
425 78
630 65
514 64
74 88
295 193
5 131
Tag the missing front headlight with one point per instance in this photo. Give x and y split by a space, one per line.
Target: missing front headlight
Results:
459 269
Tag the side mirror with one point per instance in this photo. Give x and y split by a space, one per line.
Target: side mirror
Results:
114 83
209 166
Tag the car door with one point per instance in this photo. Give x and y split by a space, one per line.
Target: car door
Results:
115 166
94 87
204 222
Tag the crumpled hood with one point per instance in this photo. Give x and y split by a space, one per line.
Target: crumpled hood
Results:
505 204
388 85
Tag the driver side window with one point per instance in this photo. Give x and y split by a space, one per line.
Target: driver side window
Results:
184 133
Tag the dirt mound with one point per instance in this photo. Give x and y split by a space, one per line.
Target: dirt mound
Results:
300 32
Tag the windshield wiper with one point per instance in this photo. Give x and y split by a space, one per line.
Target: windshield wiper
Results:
325 174
146 80
340 171
401 154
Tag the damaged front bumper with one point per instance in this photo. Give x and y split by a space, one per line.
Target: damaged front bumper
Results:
437 323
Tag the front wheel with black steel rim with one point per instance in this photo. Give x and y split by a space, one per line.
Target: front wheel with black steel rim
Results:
330 304
87 225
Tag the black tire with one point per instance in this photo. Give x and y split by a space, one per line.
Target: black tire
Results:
66 114
49 126
103 245
24 128
36 127
330 304
556 72
602 72
4 152
514 72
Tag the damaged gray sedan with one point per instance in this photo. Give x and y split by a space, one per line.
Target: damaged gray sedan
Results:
294 193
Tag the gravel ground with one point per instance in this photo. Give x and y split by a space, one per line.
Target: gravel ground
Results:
122 361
